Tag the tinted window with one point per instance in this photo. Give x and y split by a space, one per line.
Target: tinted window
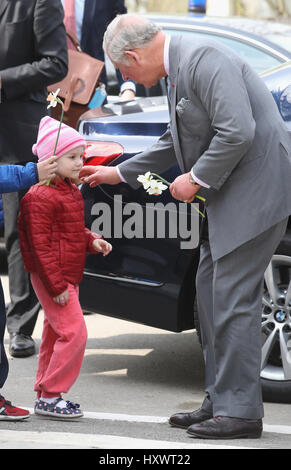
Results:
257 58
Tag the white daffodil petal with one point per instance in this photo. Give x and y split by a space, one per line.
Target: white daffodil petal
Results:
151 185
140 178
145 179
155 190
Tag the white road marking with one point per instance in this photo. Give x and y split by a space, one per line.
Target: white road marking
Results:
10 439
34 439
270 428
278 429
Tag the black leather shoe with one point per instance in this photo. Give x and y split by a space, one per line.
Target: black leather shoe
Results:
224 427
184 420
21 345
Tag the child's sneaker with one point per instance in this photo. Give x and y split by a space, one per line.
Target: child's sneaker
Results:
70 410
8 412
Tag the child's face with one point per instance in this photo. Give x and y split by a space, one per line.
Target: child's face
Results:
70 164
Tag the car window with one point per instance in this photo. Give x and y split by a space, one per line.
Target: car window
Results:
257 58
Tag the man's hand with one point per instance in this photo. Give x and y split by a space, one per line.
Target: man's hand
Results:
182 189
62 299
127 95
94 175
47 169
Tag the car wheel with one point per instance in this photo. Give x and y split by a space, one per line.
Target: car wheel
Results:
276 326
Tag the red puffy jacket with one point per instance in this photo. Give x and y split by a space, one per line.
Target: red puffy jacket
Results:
52 233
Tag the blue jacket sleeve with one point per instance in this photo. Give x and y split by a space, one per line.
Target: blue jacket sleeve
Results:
16 177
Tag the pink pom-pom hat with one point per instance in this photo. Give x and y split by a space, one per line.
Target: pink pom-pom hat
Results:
69 139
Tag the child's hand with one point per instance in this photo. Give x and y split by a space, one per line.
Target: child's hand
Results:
62 299
47 169
102 246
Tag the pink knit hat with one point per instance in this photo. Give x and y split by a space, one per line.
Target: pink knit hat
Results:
69 139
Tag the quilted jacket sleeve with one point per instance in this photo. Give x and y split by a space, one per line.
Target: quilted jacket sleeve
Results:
90 237
37 217
16 177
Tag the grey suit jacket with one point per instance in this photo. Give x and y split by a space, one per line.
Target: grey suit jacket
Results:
226 126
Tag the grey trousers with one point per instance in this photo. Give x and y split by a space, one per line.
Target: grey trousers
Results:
229 299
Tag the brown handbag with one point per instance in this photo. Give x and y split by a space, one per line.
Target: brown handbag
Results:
79 85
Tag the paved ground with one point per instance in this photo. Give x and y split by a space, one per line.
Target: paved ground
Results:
132 379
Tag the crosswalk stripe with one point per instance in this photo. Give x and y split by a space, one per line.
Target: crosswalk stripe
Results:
31 439
270 428
278 429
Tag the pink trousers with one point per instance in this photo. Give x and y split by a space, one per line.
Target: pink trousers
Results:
63 342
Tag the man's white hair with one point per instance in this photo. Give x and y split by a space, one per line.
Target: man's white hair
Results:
125 33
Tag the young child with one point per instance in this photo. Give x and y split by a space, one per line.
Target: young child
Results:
14 178
54 241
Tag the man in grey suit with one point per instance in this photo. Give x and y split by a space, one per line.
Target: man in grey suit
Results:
232 146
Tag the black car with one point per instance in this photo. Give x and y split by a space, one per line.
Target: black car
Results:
149 277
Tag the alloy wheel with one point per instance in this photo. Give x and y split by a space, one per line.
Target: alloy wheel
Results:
276 320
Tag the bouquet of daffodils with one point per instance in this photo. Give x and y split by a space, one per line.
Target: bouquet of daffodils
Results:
157 186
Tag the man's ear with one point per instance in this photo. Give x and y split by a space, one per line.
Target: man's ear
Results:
132 55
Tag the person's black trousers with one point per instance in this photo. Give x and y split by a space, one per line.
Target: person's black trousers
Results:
3 358
23 310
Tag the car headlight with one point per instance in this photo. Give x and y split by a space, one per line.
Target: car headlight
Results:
285 104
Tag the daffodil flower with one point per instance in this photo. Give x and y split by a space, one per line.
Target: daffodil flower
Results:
156 187
53 99
145 179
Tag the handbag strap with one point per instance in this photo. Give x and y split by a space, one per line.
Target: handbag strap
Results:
74 78
74 40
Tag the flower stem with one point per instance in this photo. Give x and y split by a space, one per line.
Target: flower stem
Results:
58 134
162 179
59 130
200 197
197 210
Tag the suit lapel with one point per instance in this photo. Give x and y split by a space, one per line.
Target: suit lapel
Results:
174 60
3 6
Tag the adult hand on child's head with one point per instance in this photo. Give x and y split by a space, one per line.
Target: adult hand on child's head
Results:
47 169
